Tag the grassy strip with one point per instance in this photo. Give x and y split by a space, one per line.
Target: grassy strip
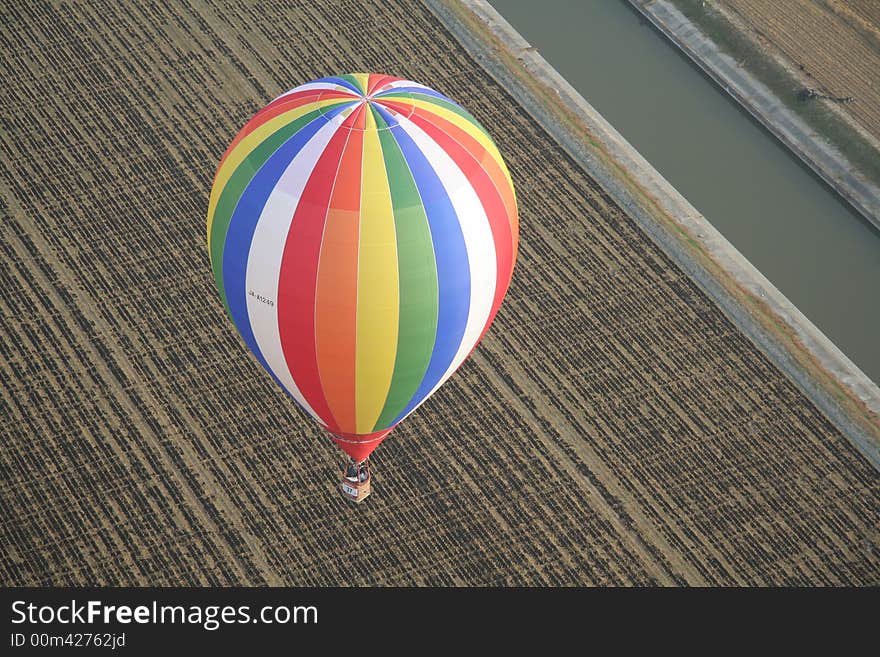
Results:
751 304
784 85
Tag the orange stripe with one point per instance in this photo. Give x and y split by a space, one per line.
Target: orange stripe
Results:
485 157
377 80
336 295
490 164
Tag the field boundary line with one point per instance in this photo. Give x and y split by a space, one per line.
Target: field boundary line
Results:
837 387
822 158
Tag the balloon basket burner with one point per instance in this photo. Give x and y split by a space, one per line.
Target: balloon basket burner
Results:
355 491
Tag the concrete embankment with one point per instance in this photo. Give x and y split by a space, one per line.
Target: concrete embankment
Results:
759 101
615 426
842 391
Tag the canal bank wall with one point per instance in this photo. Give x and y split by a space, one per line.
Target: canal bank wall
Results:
766 108
832 382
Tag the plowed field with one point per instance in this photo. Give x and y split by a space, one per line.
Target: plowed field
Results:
614 427
834 42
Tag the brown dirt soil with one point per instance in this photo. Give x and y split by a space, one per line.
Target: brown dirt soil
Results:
614 427
834 43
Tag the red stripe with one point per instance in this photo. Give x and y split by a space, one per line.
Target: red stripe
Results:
377 81
467 154
298 276
325 94
279 106
492 166
336 290
360 446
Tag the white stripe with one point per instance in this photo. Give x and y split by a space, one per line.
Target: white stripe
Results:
267 250
402 83
477 239
320 86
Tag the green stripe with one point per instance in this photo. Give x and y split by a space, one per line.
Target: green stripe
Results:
353 80
452 107
419 295
237 184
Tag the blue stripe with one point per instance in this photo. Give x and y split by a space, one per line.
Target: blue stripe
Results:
243 223
340 82
416 90
450 254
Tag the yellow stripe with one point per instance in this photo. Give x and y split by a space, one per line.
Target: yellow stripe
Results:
249 143
378 296
468 127
362 80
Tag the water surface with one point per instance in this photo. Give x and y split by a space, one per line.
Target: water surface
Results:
817 251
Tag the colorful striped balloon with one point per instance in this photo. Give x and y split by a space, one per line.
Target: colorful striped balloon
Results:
362 230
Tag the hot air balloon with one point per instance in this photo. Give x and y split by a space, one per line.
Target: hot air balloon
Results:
362 231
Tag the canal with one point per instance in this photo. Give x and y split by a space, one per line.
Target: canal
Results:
817 251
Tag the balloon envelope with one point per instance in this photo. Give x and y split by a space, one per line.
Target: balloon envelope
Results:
362 231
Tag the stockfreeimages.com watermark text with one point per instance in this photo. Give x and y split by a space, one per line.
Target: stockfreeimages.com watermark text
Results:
210 617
